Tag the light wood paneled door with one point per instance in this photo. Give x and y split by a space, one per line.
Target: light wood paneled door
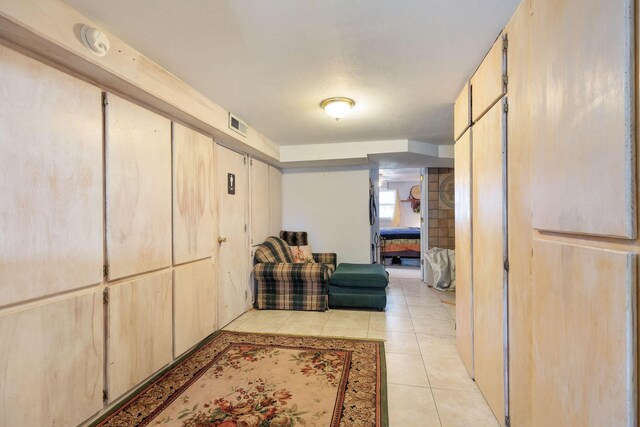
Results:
462 112
50 180
488 83
520 119
139 338
51 362
488 251
193 195
194 304
275 201
464 239
583 312
260 197
138 179
584 141
233 249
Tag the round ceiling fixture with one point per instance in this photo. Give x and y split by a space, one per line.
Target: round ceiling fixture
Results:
337 107
94 40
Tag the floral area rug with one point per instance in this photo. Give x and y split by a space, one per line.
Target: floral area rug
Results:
255 380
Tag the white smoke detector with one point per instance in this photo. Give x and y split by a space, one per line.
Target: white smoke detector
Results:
94 40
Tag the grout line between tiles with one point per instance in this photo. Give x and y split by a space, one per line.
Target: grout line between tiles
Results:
435 404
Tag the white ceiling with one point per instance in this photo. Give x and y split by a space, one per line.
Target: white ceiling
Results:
272 62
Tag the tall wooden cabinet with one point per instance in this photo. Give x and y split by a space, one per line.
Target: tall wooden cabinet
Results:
481 240
554 217
584 214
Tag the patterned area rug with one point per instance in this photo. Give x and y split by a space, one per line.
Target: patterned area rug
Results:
256 380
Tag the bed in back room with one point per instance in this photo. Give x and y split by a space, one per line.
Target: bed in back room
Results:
400 242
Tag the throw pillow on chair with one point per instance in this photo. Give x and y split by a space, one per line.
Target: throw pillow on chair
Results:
302 254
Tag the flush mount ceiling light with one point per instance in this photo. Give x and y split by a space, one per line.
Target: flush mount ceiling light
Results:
337 107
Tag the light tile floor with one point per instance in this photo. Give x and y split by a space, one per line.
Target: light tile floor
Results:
427 382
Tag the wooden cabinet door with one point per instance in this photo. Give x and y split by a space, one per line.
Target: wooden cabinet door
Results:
583 154
260 209
233 250
488 84
584 327
139 340
464 279
193 195
488 252
194 304
138 180
51 208
275 201
462 112
52 359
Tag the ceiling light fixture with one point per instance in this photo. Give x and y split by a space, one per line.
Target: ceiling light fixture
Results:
337 107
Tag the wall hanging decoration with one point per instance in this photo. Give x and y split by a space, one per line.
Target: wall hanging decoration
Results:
414 198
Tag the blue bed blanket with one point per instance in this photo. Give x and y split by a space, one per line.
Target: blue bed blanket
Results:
400 232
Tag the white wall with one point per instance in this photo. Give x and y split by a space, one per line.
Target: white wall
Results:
408 218
332 205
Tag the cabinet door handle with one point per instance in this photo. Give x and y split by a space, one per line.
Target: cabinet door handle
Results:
221 240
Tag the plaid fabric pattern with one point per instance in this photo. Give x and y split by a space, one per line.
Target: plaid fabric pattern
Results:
294 238
273 250
288 286
285 285
329 259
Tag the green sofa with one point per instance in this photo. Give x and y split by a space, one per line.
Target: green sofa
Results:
359 286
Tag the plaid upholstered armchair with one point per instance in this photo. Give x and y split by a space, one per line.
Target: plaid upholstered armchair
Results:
285 285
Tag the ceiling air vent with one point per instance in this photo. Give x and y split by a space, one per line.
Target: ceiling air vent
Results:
238 125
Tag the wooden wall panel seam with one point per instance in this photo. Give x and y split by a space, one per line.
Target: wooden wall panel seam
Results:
632 339
493 104
630 119
505 245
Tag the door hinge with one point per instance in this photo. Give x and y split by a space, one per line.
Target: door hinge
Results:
505 43
246 295
505 79
105 271
251 162
105 296
105 101
245 228
506 265
244 160
507 421
421 220
505 106
105 395
421 262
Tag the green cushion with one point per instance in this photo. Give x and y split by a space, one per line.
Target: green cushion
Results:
360 276
357 297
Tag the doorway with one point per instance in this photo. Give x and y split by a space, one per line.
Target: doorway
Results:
400 216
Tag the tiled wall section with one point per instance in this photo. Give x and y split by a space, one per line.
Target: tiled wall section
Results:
441 220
